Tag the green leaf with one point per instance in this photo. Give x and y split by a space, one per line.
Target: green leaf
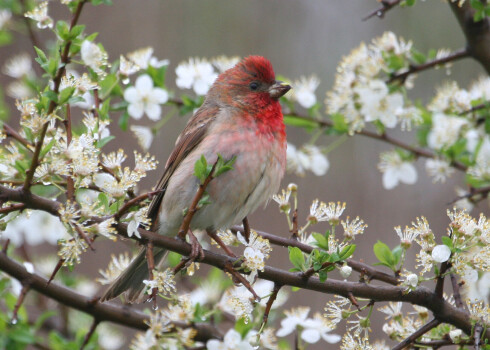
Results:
200 169
347 252
63 30
223 166
296 257
103 200
384 255
158 75
47 148
124 121
339 123
76 31
300 122
447 241
65 94
321 240
101 143
397 254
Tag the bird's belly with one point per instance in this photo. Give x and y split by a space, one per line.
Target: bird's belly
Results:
256 175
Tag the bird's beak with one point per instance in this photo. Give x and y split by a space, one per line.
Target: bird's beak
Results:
278 89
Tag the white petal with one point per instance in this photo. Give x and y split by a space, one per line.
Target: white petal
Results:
201 87
390 179
132 95
331 338
136 110
408 174
319 164
153 111
159 95
310 335
144 84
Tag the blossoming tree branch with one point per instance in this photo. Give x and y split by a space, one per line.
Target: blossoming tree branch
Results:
59 186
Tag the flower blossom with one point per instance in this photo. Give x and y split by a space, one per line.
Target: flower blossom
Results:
144 98
196 74
396 170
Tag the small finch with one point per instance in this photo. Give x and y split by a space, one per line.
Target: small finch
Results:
241 117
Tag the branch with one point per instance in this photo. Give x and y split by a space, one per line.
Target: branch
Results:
122 315
372 273
418 333
15 135
442 310
380 12
456 55
65 58
418 152
477 33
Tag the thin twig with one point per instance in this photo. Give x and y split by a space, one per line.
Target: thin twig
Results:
84 236
151 266
418 333
55 270
380 12
134 201
6 246
70 184
439 289
483 191
270 301
220 242
294 230
10 132
238 277
20 300
12 207
91 331
456 55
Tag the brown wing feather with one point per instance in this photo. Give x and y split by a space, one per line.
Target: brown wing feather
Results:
190 137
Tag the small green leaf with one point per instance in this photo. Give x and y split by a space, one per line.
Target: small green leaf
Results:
447 241
124 121
65 94
200 169
384 255
101 143
347 252
397 254
47 148
321 240
296 257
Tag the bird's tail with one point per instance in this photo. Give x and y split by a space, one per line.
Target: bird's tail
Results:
131 280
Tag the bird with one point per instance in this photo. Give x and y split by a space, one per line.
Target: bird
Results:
240 117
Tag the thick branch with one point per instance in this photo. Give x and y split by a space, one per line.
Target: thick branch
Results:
442 310
122 315
477 33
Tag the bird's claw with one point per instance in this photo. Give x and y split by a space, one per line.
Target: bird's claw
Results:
197 253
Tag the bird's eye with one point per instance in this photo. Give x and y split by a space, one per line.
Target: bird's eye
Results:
254 85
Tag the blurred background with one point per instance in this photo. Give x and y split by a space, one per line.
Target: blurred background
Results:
300 38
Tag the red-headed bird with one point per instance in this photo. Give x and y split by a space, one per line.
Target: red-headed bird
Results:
241 117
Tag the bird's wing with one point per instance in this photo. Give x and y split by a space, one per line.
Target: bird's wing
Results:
190 137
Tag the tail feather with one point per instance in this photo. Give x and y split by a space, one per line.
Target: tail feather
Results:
130 281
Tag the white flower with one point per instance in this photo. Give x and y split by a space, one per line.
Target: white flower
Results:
411 281
40 15
223 63
196 74
34 228
455 335
309 157
93 56
377 104
396 170
143 134
438 169
316 328
144 58
256 252
304 91
231 341
263 288
441 253
18 66
145 98
294 318
19 90
445 130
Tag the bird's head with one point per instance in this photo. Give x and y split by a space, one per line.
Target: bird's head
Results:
251 82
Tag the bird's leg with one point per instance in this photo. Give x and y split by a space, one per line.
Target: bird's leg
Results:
222 244
196 248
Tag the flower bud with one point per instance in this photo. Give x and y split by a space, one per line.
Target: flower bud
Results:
412 280
345 271
455 335
441 253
